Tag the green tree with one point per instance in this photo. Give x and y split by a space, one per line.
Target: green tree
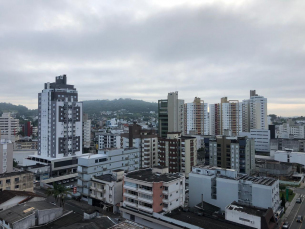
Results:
59 192
15 163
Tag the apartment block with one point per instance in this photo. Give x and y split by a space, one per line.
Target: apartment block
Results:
232 153
9 127
25 145
86 133
6 156
104 163
106 190
296 145
109 141
145 140
258 112
196 120
212 184
59 120
19 181
178 153
170 114
152 190
261 139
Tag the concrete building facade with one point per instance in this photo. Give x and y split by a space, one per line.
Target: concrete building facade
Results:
59 120
19 181
153 190
232 153
212 184
9 127
6 156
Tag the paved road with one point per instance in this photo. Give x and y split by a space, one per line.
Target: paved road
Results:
299 209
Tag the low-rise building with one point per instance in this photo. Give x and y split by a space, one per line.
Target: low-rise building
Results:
9 198
6 156
19 181
261 139
29 215
108 141
250 216
290 157
107 190
25 145
153 190
104 163
220 187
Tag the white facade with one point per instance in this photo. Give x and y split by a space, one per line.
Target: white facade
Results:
108 189
108 141
6 156
258 112
86 133
158 192
291 131
261 139
175 109
104 163
213 183
235 214
291 157
9 127
59 120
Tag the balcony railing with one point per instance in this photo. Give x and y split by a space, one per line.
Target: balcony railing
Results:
149 201
130 196
130 204
148 192
146 209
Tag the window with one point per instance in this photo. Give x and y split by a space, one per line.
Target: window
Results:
16 186
8 181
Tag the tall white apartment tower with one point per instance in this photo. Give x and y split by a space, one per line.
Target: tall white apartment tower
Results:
175 109
258 111
59 120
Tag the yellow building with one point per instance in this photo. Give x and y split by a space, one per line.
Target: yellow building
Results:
19 181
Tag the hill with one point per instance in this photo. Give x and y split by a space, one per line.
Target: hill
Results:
130 105
19 109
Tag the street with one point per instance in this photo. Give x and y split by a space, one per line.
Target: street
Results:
299 209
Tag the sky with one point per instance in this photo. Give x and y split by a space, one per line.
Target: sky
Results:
145 49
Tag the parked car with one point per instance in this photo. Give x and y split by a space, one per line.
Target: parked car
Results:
64 181
285 225
53 203
299 200
59 182
300 219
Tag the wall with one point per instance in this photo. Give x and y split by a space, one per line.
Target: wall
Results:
235 216
25 223
45 216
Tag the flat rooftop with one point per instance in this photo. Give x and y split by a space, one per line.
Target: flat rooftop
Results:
257 180
13 174
6 195
247 209
148 176
203 221
19 212
105 177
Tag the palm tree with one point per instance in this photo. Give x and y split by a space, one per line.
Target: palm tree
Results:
59 192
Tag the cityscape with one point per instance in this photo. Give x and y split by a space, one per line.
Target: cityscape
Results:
152 114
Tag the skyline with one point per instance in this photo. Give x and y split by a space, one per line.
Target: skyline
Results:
145 49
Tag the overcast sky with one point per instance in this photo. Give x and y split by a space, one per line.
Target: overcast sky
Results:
145 49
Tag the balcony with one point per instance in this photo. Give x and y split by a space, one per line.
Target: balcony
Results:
130 196
165 201
149 201
165 192
101 190
130 204
165 209
93 188
146 209
92 195
147 192
130 188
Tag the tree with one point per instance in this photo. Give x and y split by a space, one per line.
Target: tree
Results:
15 163
283 200
59 192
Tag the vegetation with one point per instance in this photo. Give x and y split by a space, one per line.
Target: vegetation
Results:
130 105
283 201
291 195
20 110
15 163
59 192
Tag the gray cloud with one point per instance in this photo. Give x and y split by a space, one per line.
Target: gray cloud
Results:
143 50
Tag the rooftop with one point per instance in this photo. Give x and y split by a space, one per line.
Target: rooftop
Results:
3 175
105 177
247 209
203 221
257 180
9 194
148 176
128 225
18 212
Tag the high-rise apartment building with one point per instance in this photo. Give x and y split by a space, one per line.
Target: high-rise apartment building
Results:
171 114
232 153
146 141
178 153
196 117
59 120
86 133
9 127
